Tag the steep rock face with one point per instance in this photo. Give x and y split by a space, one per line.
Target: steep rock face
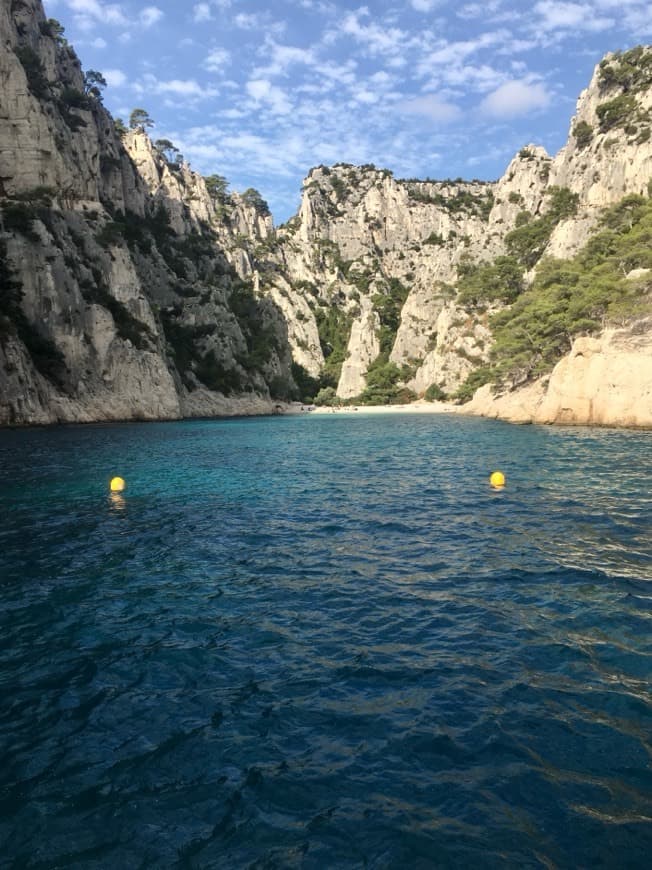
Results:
359 231
362 236
605 158
363 348
131 287
49 135
122 279
604 381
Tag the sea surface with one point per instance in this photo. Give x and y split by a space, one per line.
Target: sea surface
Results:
326 642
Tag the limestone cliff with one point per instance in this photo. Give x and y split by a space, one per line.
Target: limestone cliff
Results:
390 254
119 299
133 288
603 381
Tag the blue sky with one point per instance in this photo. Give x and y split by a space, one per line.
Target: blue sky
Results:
262 91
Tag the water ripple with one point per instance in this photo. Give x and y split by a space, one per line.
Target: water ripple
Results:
308 643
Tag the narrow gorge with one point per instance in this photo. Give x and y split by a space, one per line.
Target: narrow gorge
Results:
132 287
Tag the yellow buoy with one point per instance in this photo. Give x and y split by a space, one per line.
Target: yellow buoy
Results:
497 479
117 484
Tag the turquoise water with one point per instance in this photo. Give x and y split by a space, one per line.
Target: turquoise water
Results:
325 642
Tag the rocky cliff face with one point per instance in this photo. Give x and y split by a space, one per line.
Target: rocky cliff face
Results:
604 381
124 293
131 288
388 253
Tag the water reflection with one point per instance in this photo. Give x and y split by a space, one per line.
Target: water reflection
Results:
117 502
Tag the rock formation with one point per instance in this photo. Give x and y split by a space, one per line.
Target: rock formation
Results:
603 381
133 288
119 297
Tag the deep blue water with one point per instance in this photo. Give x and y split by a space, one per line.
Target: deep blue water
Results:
326 642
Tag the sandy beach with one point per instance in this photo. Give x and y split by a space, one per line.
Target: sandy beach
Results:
419 407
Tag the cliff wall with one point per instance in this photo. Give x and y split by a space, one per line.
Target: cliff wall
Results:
366 243
124 294
132 288
604 381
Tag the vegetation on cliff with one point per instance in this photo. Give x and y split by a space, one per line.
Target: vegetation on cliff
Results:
574 297
528 241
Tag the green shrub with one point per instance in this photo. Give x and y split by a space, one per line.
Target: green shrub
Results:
583 134
388 303
19 217
213 374
46 357
528 241
54 29
34 70
11 294
128 327
616 112
307 386
577 296
253 199
563 203
383 384
434 393
111 234
462 201
327 396
434 239
501 280
339 187
334 328
476 379
630 70
71 98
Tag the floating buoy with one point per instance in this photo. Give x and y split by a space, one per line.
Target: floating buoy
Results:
497 479
117 484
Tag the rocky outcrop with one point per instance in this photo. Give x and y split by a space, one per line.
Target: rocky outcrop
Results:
126 293
604 381
133 288
360 232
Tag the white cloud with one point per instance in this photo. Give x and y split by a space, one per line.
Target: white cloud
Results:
638 20
364 95
99 43
558 15
89 12
115 78
263 91
377 39
285 56
479 11
248 20
455 52
217 59
424 5
515 98
201 12
433 107
188 89
150 15
481 78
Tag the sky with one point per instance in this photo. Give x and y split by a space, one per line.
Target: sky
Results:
260 92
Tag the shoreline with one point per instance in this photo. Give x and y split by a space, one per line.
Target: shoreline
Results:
270 408
418 407
423 407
